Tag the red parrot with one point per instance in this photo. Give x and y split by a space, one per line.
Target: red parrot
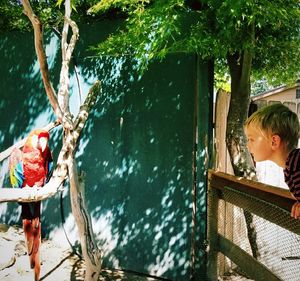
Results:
32 167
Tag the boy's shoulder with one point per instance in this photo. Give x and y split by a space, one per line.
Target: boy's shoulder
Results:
293 160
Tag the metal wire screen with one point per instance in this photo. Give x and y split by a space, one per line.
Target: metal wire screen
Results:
276 247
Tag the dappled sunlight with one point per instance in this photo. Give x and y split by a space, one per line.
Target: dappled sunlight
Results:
136 151
3 171
9 213
81 147
58 235
51 48
23 96
104 232
138 170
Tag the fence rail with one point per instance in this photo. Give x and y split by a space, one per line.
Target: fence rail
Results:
268 202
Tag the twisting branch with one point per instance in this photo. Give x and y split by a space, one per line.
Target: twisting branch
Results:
91 253
38 41
87 106
8 194
67 50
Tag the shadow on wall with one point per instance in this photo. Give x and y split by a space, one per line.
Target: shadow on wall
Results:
136 151
22 101
141 179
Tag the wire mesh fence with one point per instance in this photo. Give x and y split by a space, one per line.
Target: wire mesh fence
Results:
256 237
278 248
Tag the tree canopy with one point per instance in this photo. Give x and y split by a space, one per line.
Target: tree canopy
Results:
213 29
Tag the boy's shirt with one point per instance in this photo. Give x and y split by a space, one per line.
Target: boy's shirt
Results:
292 173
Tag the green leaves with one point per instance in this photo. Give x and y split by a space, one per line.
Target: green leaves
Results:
214 29
124 5
11 16
150 31
59 2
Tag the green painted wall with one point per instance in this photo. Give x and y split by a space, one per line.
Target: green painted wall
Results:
136 150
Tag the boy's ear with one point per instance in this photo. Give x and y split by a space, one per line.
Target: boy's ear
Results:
276 141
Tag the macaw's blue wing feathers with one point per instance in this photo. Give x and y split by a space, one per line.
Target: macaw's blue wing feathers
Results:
16 172
17 176
50 170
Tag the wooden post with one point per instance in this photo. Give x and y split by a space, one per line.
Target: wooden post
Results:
212 233
223 164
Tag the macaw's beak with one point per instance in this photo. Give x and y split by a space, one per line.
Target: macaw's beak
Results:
43 142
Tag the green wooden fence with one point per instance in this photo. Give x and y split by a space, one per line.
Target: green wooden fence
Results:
145 150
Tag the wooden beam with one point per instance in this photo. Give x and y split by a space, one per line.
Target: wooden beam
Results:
253 268
275 195
212 233
263 209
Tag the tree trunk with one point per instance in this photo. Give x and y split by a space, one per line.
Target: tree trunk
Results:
240 66
91 254
240 69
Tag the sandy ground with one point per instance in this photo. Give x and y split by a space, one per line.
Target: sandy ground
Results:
58 263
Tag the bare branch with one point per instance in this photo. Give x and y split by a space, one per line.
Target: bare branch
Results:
38 41
67 50
91 253
87 106
31 194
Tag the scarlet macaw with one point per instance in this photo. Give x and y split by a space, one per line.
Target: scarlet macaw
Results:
32 167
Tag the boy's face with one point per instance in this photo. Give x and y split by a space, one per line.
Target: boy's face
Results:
259 145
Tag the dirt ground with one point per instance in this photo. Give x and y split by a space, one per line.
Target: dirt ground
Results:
58 263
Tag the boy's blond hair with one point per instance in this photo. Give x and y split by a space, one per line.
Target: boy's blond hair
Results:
277 119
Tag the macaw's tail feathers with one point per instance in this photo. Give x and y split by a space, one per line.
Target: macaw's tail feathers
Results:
32 230
37 270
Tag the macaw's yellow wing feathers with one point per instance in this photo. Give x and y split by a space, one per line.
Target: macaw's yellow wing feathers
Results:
16 172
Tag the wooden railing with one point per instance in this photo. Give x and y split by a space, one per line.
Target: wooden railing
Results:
239 191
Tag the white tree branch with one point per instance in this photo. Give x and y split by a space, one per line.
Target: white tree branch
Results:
91 253
32 194
87 106
67 50
38 40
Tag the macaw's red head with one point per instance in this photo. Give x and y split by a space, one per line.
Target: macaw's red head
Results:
38 139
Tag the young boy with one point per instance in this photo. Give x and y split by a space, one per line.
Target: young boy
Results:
273 132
